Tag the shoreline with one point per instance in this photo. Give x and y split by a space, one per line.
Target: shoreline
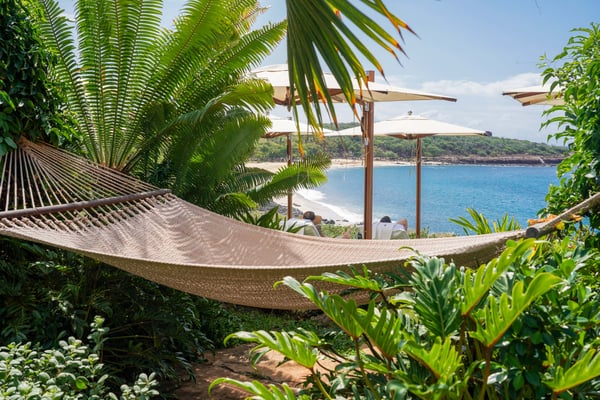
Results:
307 199
534 161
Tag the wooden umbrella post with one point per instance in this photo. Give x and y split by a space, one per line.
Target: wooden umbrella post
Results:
418 224
289 162
368 122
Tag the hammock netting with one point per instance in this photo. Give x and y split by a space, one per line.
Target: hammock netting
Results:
54 198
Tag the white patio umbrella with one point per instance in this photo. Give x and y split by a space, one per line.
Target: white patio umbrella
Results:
414 127
540 94
286 127
278 76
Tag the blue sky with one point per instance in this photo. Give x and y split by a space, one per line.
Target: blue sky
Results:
468 49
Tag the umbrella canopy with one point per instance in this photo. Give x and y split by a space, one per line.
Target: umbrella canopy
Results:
540 94
278 76
414 127
286 127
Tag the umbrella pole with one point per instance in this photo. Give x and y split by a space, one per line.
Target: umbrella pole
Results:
368 122
289 162
418 225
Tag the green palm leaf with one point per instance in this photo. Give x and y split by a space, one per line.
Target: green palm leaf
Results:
317 32
500 314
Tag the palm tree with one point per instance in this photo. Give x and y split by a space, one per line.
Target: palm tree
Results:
174 106
136 88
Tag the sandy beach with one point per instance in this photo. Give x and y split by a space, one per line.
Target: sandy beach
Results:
335 163
327 211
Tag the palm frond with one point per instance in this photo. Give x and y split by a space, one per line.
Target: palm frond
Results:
57 32
317 31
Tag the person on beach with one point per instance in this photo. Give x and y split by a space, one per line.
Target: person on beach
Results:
316 219
385 229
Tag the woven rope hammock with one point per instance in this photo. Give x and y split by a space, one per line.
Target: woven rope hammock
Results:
51 197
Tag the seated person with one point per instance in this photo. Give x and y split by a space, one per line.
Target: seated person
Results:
309 224
385 229
315 219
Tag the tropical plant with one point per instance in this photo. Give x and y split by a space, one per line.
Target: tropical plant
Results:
73 371
480 224
244 189
579 78
173 106
47 295
140 92
28 97
524 325
332 41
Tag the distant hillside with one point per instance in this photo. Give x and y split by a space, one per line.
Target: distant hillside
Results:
445 149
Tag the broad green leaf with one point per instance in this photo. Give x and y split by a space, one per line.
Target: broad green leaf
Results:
384 329
436 296
355 280
258 389
340 311
585 369
285 343
442 359
500 314
477 284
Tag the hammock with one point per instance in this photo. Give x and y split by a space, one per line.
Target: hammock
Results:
54 198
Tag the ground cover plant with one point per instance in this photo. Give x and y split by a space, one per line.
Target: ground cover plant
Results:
524 325
70 371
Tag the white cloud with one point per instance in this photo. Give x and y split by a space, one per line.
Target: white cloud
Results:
480 105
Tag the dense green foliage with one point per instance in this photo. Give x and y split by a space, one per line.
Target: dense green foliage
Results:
173 107
389 148
48 295
524 325
578 75
71 371
28 103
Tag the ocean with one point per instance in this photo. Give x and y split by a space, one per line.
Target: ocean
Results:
446 192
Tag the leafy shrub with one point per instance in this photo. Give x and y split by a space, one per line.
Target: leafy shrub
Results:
71 371
30 100
524 325
48 295
578 74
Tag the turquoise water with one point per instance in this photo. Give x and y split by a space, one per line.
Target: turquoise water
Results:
446 192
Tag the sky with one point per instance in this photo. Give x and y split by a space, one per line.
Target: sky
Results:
472 50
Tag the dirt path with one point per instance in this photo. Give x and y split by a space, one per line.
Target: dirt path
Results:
234 363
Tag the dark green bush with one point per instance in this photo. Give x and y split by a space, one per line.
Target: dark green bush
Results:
48 295
70 371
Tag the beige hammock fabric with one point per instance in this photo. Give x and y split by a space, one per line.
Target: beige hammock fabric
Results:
51 197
